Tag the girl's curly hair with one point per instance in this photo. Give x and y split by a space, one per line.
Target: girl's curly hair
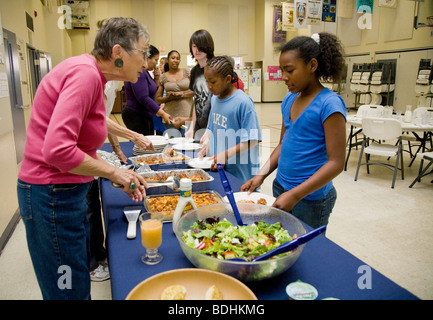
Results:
328 52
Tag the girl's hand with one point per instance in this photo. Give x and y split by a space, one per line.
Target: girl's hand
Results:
190 133
252 184
221 158
204 141
214 167
286 201
202 153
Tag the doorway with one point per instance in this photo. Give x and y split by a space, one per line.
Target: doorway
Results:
12 63
39 66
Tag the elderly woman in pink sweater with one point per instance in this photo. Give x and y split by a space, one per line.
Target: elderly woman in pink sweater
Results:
66 127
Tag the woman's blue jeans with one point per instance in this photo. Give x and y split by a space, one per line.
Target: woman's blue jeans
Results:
57 232
315 213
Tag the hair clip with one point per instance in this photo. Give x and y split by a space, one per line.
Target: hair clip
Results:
316 37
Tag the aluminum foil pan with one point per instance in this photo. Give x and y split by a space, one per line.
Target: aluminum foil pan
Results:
110 157
159 158
165 204
159 178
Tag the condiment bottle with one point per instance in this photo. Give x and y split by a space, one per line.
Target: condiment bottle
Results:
185 202
408 114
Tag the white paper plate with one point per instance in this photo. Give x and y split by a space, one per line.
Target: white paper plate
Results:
187 146
178 140
157 140
157 149
239 196
198 163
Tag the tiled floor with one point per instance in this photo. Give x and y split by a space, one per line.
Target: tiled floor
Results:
389 229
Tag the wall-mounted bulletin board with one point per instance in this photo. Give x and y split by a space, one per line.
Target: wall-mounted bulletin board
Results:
80 10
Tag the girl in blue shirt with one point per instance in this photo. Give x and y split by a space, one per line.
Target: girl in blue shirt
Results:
312 144
233 130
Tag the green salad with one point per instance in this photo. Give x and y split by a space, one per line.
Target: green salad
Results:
223 240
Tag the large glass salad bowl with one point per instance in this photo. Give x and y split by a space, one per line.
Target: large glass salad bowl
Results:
250 213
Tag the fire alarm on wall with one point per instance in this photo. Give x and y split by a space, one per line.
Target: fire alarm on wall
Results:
35 13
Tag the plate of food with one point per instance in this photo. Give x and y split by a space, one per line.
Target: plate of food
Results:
255 197
191 284
198 163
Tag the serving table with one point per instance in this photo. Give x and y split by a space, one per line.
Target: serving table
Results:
333 271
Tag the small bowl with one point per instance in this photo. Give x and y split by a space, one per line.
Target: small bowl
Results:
250 213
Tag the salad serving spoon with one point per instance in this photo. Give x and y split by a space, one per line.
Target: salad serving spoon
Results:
288 246
229 193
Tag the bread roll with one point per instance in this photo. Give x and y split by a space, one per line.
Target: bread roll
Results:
213 293
175 292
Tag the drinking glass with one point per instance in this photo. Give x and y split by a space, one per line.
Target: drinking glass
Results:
151 237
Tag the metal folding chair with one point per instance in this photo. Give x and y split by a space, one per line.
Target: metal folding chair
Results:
427 156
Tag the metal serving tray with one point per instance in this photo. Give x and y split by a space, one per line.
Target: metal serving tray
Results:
169 213
158 178
159 158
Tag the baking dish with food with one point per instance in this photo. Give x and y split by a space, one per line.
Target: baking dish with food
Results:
162 161
164 179
166 203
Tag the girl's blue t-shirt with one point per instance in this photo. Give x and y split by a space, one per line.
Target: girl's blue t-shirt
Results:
303 148
233 120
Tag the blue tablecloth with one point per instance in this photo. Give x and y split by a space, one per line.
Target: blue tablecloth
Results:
333 271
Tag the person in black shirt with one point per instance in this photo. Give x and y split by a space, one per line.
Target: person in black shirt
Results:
201 46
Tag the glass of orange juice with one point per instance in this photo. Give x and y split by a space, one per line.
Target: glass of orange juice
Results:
151 237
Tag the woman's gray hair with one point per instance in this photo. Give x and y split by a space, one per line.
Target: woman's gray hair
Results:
123 31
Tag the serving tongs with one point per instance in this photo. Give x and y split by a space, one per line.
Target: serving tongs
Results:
229 193
173 182
288 246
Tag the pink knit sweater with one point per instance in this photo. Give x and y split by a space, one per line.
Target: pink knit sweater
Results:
67 121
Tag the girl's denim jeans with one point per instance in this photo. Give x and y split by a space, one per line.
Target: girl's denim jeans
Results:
315 213
57 232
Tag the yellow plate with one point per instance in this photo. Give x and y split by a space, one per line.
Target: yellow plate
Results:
196 281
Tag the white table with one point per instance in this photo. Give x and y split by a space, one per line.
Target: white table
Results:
356 121
426 130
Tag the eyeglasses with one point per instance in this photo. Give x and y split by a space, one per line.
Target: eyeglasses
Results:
144 52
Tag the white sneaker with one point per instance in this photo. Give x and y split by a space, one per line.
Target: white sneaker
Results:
101 273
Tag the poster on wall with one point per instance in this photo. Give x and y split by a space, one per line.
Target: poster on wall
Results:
314 12
329 10
300 17
274 73
364 6
79 13
287 16
278 34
